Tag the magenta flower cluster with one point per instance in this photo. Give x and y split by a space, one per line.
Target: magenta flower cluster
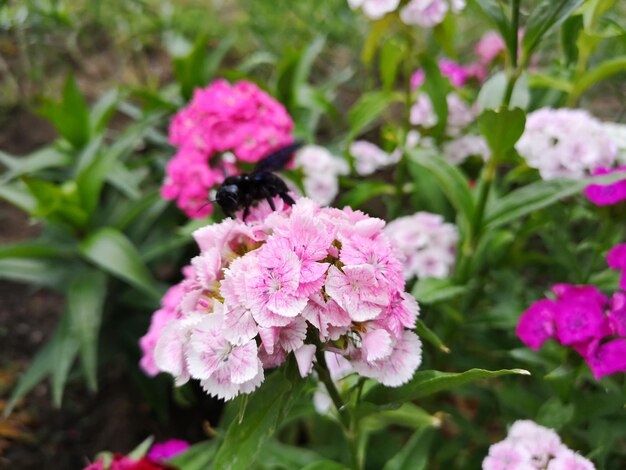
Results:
222 125
607 194
299 280
585 319
529 446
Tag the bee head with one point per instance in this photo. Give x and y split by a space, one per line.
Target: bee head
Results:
228 197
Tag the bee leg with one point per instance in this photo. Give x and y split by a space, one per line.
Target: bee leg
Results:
287 198
270 201
246 212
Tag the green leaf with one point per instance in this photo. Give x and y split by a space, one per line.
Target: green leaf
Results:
265 411
598 73
47 157
545 17
367 109
325 465
502 129
279 455
142 449
30 250
110 250
494 11
414 454
429 335
197 457
57 204
374 38
102 110
391 56
431 290
365 191
437 87
452 182
70 116
542 80
408 415
85 301
40 367
427 382
18 195
569 35
491 94
535 196
63 355
42 272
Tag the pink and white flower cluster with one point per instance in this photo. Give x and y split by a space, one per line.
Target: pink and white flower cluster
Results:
565 143
320 172
585 319
369 158
460 115
429 13
294 280
222 125
424 13
427 244
529 446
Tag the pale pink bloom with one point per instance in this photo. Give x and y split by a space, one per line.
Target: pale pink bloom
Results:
368 157
357 291
490 46
323 314
540 442
458 150
376 344
567 459
426 244
304 357
374 9
424 13
417 79
321 172
422 112
565 143
506 455
396 368
171 348
460 115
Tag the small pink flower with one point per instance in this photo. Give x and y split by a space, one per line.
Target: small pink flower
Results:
578 321
506 455
536 325
454 72
606 358
607 195
490 46
167 450
357 291
617 314
566 459
616 259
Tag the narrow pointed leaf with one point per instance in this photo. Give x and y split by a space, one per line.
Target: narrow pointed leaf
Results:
85 301
110 250
428 382
63 355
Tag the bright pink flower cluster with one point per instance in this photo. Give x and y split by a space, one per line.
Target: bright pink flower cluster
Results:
241 119
607 195
583 318
154 460
531 446
294 280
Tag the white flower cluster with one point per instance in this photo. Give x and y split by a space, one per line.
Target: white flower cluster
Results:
458 150
565 143
617 133
424 13
531 446
369 157
321 172
427 244
460 115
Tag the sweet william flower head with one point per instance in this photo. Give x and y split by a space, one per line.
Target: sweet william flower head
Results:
291 282
239 121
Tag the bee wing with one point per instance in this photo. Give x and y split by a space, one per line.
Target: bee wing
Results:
277 159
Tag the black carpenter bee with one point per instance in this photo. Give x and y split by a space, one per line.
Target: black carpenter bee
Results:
242 191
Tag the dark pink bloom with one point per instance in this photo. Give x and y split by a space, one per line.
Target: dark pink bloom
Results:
572 292
578 321
536 325
607 195
607 358
417 79
616 259
617 314
457 74
168 449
